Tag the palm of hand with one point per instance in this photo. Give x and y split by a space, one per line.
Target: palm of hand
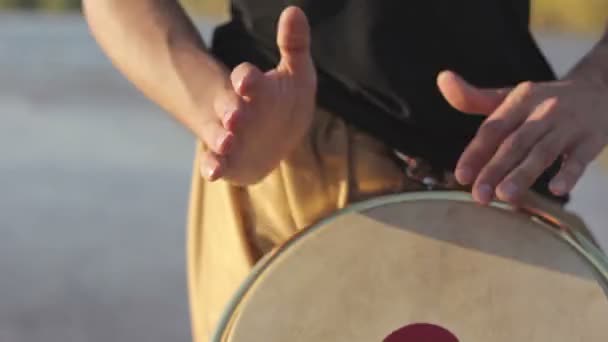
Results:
263 115
277 113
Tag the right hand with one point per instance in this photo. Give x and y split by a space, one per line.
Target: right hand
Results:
260 117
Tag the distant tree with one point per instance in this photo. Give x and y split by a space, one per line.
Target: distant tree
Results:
59 4
18 3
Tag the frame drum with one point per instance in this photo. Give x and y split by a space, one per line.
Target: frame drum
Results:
426 265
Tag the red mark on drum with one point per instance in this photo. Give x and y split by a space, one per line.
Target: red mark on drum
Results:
421 332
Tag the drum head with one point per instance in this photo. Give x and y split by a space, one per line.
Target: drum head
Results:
433 262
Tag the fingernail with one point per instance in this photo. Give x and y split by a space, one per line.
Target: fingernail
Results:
558 187
230 118
240 87
485 193
509 190
228 114
464 175
210 170
224 142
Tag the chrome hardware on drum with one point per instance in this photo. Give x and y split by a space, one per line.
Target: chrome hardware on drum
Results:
432 266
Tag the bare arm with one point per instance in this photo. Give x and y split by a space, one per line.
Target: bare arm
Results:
239 115
594 66
157 47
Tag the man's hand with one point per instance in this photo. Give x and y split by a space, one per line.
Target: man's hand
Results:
259 117
527 129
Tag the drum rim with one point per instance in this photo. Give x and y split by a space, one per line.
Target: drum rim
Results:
576 239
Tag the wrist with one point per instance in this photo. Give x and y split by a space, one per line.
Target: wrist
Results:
203 79
592 69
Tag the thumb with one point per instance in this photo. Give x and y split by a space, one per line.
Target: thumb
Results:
293 39
468 98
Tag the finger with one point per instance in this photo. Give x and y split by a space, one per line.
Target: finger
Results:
216 138
512 151
543 154
467 98
230 110
245 79
509 115
574 165
212 166
293 39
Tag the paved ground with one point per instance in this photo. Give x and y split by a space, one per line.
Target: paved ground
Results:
93 188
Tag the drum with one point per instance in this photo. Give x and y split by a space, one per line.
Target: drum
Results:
426 267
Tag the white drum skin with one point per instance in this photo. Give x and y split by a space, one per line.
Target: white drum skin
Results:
482 273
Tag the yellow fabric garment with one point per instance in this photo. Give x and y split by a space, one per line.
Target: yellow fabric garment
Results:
230 228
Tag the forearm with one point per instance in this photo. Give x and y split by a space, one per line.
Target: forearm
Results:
594 65
157 47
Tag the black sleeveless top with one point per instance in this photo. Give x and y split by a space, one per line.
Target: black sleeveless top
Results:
377 62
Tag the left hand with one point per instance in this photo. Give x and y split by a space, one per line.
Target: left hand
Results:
527 129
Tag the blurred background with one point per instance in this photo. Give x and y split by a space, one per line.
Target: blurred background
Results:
94 179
